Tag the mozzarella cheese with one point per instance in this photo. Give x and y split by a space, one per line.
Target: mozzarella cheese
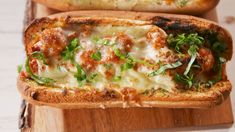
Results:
140 49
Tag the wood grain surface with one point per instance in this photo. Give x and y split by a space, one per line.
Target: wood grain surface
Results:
48 119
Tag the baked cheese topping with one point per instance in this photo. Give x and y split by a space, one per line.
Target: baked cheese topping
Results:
103 54
106 56
133 4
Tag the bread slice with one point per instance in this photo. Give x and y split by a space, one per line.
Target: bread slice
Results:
164 6
80 98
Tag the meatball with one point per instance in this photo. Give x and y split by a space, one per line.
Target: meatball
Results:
52 42
205 59
125 42
157 38
87 62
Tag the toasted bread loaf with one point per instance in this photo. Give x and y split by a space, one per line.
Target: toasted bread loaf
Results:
164 6
82 98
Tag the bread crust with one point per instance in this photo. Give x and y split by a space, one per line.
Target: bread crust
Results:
176 22
197 6
70 98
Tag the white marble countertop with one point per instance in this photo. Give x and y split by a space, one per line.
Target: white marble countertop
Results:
12 53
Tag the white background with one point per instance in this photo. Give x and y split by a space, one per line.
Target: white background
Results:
12 53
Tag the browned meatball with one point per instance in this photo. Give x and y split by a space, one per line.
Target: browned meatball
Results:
157 38
125 41
205 59
52 42
87 62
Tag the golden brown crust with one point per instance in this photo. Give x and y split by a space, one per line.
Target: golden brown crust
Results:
183 23
197 6
44 95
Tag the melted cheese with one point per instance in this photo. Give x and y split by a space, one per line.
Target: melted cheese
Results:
141 49
126 4
129 4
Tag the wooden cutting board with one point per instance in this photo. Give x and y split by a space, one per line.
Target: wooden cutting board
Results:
48 119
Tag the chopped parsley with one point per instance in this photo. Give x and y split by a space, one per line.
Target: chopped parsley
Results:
186 80
95 39
103 41
192 51
96 56
118 53
69 52
144 63
129 64
117 78
40 56
80 75
182 41
93 77
209 84
126 66
163 68
219 68
19 68
190 44
40 80
108 66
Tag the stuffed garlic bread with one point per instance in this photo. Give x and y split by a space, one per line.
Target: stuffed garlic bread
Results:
167 6
158 60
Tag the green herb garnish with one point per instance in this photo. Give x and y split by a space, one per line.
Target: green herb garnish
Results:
192 51
69 52
118 53
128 64
92 78
108 66
130 61
182 40
221 60
144 63
193 41
19 68
95 39
165 67
96 56
209 84
40 80
80 75
103 41
186 80
117 78
40 56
